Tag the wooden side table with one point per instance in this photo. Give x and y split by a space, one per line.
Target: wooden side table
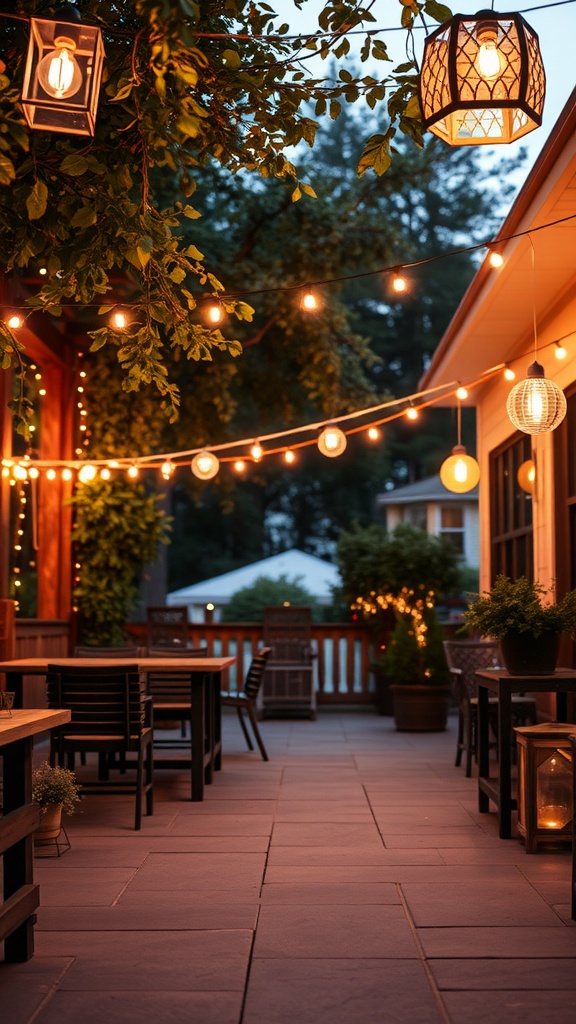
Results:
20 818
500 683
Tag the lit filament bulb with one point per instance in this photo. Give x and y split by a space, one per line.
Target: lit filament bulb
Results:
119 320
166 469
14 322
58 72
496 260
133 471
214 313
412 413
399 284
256 451
373 434
560 351
289 457
240 466
509 373
488 62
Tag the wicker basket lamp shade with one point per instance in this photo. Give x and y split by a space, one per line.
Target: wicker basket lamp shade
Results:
536 405
482 80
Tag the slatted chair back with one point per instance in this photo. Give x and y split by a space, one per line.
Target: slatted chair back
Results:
283 624
107 703
168 652
168 627
255 673
167 689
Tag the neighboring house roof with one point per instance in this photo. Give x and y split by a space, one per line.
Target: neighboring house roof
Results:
494 322
430 489
314 574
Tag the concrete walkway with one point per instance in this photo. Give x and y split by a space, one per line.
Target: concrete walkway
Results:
350 880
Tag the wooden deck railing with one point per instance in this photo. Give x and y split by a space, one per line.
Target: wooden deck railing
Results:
341 662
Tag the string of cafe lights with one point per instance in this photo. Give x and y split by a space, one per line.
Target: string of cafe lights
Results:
330 437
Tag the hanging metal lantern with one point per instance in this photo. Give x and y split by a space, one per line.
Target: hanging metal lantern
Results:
63 74
536 405
482 79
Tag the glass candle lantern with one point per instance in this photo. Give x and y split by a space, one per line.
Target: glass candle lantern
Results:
545 788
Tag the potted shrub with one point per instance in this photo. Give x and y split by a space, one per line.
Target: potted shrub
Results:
55 790
385 572
526 621
420 680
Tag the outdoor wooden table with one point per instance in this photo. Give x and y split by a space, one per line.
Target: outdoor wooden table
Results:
20 818
499 682
206 716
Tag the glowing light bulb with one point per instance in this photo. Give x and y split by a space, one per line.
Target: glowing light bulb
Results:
509 373
133 471
19 472
461 393
58 72
332 441
309 302
50 474
105 473
214 314
412 413
119 320
399 284
495 259
289 457
205 465
240 466
373 433
167 468
488 63
560 351
14 322
66 474
87 473
256 451
33 472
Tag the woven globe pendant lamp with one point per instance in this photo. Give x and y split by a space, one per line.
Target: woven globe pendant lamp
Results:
482 80
536 405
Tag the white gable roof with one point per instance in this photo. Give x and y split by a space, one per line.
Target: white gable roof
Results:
314 574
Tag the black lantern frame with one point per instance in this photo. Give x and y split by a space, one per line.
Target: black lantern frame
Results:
467 106
538 747
62 76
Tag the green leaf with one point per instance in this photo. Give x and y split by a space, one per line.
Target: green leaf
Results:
232 59
37 200
412 107
7 172
144 249
376 154
74 164
84 218
439 12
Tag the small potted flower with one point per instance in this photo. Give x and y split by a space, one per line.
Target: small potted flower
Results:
55 790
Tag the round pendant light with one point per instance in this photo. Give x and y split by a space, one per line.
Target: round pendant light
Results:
459 472
536 405
526 476
332 441
205 465
482 79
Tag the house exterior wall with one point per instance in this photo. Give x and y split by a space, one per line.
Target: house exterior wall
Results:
403 512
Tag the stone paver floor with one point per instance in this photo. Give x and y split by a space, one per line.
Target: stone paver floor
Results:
349 880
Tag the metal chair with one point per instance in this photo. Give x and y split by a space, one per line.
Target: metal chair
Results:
111 717
464 658
245 700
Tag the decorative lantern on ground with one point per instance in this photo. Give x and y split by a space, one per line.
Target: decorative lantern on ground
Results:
545 801
63 74
482 79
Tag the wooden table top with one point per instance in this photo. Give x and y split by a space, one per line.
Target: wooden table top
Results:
38 666
25 722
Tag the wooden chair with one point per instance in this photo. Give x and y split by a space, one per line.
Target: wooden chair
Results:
168 627
245 700
168 652
111 716
289 678
464 658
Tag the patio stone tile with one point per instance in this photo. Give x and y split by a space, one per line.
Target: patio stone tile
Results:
331 857
211 870
152 914
504 852
147 961
24 987
450 839
191 898
330 892
333 931
513 942
499 975
453 905
504 1007
99 886
228 825
313 834
134 1007
350 991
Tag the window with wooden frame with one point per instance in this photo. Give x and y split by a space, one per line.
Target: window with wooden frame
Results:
512 552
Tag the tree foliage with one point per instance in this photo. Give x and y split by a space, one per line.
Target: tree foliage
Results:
248 603
186 83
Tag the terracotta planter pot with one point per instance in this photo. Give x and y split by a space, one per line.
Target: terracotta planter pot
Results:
525 655
50 824
420 708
